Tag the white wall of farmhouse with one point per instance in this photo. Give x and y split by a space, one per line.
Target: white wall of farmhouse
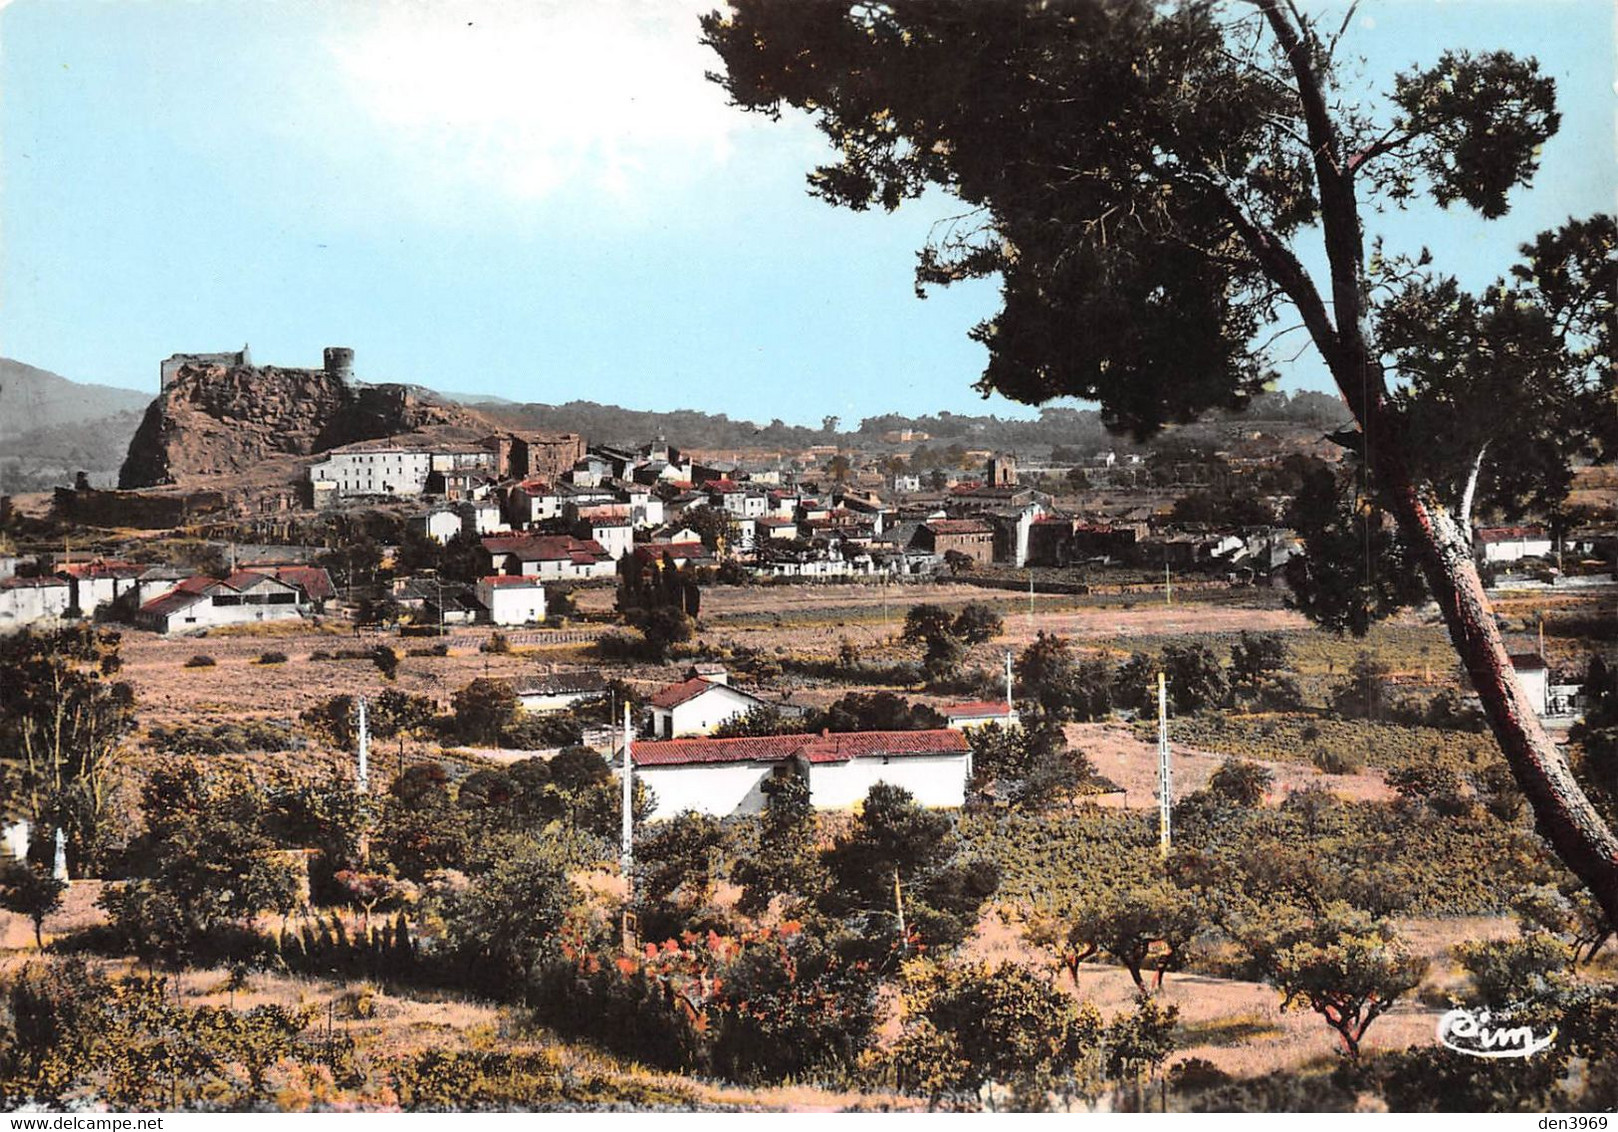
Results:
719 789
938 781
701 715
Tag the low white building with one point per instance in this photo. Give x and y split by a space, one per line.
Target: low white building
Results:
24 601
961 717
697 707
512 600
202 602
559 691
1509 544
727 776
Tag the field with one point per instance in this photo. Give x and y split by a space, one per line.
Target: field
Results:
1236 1025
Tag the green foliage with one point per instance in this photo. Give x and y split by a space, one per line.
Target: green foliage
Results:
1506 971
63 721
199 740
1029 766
201 660
1064 688
971 1024
1146 928
204 861
785 862
762 719
676 868
1241 782
1342 964
32 891
874 711
1355 570
932 627
507 921
132 1047
900 859
386 661
484 709
977 623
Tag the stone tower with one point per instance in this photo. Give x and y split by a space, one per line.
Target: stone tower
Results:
339 362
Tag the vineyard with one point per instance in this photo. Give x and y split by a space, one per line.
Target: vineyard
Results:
1324 742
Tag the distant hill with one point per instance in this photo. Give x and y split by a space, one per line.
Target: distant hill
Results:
1055 427
33 399
52 428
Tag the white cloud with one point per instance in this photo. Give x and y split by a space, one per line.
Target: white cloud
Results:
531 97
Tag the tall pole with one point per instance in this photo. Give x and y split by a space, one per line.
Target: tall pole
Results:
1030 599
362 780
1165 783
1168 583
1008 684
627 843
627 860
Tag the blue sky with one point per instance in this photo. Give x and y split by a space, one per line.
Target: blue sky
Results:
546 201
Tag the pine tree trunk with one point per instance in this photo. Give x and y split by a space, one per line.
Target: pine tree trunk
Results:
1562 812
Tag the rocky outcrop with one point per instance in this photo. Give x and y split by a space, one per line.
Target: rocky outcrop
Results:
216 421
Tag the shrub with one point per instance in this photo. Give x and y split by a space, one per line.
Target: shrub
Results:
272 658
201 660
1331 760
498 643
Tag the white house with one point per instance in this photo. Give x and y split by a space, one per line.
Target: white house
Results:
961 717
481 517
1508 544
697 707
1532 674
380 470
548 556
202 602
726 776
558 691
512 599
440 524
24 601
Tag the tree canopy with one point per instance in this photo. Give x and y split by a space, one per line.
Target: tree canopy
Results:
1145 180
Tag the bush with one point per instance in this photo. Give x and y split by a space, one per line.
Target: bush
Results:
272 658
201 660
498 644
1334 761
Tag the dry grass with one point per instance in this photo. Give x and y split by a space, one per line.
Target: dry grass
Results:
1119 754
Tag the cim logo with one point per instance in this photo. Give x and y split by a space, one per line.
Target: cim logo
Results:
1468 1031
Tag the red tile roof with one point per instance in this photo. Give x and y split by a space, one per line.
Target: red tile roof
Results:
958 527
312 580
834 748
673 695
527 581
546 548
976 708
171 602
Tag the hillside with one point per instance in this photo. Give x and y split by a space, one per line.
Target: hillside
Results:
33 399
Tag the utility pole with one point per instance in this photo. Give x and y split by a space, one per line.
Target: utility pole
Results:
627 858
1165 780
1008 685
1168 584
362 779
1030 599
